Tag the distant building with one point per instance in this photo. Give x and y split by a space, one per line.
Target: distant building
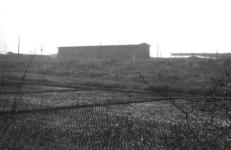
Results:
203 55
139 51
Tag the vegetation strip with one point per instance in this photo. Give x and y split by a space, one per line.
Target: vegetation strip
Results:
80 86
108 104
84 87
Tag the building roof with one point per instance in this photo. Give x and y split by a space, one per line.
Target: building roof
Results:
106 45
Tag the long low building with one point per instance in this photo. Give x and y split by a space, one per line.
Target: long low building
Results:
203 55
139 51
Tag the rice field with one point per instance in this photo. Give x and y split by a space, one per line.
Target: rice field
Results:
148 125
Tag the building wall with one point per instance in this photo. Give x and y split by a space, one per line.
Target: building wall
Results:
101 52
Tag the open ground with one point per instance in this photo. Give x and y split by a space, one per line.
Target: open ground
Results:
113 104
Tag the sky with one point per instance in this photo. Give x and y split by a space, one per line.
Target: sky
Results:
174 25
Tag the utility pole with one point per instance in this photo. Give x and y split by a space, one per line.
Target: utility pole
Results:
35 50
157 52
18 45
41 49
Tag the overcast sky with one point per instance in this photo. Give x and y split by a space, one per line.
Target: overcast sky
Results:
177 25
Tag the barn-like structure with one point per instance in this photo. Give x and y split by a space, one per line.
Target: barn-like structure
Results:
139 51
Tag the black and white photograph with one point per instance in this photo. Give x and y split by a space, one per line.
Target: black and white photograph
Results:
115 75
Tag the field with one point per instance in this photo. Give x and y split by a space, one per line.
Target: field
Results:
149 125
190 76
110 104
